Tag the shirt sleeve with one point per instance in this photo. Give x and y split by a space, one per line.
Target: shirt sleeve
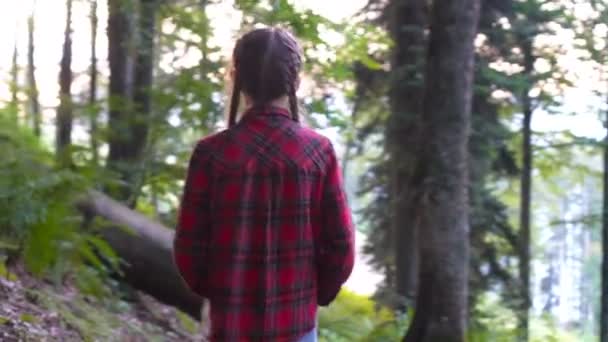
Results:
190 243
337 243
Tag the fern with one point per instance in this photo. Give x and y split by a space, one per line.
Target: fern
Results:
37 216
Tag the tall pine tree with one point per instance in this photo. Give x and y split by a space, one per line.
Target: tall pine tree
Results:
440 180
407 21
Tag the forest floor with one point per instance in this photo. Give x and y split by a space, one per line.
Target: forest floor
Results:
36 310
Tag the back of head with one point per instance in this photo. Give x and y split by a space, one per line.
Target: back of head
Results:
267 63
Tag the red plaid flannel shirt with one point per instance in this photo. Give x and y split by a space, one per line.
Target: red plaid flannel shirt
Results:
264 230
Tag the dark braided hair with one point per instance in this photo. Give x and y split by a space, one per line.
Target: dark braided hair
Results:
267 63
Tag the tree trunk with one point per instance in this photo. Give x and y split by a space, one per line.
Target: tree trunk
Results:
14 87
408 22
525 201
64 112
441 175
34 108
146 247
204 35
142 99
129 133
93 85
120 152
604 295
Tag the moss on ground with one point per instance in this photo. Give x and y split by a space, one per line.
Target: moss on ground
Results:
34 310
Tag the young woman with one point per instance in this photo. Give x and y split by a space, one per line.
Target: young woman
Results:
264 231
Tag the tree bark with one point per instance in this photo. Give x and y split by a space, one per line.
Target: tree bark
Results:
142 98
64 112
129 133
120 152
441 175
526 194
34 107
144 65
93 85
146 247
604 295
408 21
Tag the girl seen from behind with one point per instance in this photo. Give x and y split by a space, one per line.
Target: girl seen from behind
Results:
264 231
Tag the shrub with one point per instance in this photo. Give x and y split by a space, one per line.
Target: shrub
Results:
353 317
38 221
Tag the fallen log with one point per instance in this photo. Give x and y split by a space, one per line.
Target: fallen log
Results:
146 248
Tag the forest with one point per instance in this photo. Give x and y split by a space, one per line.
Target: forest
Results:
472 136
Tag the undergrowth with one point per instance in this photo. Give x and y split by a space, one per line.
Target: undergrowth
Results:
38 220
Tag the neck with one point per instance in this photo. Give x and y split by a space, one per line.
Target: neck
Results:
281 102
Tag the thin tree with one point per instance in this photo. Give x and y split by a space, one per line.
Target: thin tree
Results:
526 193
529 20
441 175
604 295
64 112
14 86
143 78
93 84
32 87
204 37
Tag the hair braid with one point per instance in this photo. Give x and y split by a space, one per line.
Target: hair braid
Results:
293 103
234 101
291 67
291 72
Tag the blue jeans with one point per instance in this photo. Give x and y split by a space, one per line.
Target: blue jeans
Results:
309 337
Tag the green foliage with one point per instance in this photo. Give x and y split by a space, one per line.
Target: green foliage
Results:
31 191
189 92
5 273
28 318
496 323
304 23
37 212
37 219
353 317
187 322
545 329
493 321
